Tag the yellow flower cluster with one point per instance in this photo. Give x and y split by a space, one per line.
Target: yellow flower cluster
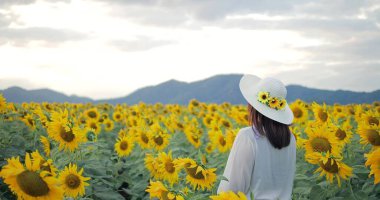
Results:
38 178
168 138
273 102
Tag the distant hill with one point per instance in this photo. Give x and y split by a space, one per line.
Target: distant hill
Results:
225 88
216 89
19 95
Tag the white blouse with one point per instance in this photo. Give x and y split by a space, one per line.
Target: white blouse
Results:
254 165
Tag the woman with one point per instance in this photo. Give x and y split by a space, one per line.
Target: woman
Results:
263 156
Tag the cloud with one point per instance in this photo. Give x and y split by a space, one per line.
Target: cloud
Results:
49 36
349 76
7 3
142 43
10 82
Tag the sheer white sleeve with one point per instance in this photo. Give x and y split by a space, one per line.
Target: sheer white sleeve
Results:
239 165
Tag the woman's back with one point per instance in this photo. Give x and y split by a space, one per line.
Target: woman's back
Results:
254 165
274 169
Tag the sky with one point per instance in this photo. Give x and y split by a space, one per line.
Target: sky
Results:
110 48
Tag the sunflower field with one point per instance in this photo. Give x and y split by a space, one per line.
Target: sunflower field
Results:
145 151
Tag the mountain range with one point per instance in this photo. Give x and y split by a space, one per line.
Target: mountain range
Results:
216 89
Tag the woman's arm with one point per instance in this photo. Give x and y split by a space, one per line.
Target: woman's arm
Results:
239 165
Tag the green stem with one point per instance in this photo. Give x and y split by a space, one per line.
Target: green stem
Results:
352 192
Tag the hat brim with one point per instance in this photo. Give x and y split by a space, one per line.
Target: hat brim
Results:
249 91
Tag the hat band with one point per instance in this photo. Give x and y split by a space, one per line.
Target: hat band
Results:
272 102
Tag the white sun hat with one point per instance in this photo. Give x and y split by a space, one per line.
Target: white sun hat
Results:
265 95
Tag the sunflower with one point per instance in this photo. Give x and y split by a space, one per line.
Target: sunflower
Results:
122 133
226 123
42 164
273 102
69 136
369 134
197 175
281 104
167 167
193 135
29 182
207 121
297 134
29 121
92 113
220 141
3 103
331 166
144 139
124 146
42 117
370 118
117 116
263 97
159 139
338 112
343 132
230 136
320 112
321 139
46 144
157 189
229 196
109 125
299 111
73 182
209 148
94 126
152 164
373 159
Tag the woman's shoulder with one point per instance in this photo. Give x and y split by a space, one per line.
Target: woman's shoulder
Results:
246 133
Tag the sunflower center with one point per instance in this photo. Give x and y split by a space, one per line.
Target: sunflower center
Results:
373 121
297 112
180 125
263 97
352 111
169 166
339 110
373 137
195 103
159 140
124 145
340 134
320 144
72 181
195 139
144 138
332 168
67 136
226 124
92 114
322 115
93 126
108 125
222 141
30 121
193 172
32 184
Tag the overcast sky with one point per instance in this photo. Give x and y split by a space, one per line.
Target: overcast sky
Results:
109 48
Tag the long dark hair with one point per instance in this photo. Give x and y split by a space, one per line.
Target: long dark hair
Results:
277 133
